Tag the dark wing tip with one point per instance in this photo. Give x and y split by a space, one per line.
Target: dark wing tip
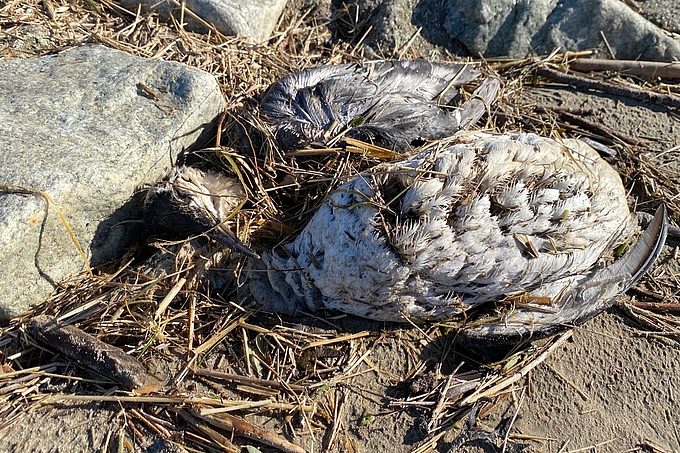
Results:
647 249
497 338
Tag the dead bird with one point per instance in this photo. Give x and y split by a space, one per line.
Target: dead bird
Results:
470 221
475 220
191 201
397 105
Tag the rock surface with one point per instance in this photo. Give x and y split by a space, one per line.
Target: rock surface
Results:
254 19
519 28
87 127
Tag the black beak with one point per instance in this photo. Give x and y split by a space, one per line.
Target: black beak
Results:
223 235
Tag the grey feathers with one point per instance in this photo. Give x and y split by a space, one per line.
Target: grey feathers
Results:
575 299
393 104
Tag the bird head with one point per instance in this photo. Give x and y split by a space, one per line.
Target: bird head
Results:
190 201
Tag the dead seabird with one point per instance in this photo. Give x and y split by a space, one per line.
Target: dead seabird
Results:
474 220
471 220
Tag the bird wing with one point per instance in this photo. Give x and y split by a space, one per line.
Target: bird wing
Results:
389 103
576 299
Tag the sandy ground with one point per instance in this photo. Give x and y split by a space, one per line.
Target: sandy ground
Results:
611 387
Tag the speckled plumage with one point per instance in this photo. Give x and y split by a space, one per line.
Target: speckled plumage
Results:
479 219
394 104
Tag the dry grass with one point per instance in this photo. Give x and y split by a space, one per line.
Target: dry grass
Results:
299 374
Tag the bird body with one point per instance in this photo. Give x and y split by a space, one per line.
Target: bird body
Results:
475 219
470 220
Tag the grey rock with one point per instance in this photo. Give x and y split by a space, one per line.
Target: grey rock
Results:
395 23
253 19
517 28
81 127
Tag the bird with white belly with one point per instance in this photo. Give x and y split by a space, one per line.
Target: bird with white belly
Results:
468 221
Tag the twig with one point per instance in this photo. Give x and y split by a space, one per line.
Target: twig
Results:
606 43
105 445
563 448
191 315
47 368
430 444
165 303
409 43
240 407
337 340
138 434
218 337
197 18
337 421
243 428
440 403
160 430
361 40
21 190
248 380
648 69
564 379
590 84
85 349
643 317
656 306
173 400
519 436
634 5
654 447
520 373
593 447
599 129
512 421
225 444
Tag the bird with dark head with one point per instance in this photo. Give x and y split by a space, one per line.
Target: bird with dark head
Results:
189 201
